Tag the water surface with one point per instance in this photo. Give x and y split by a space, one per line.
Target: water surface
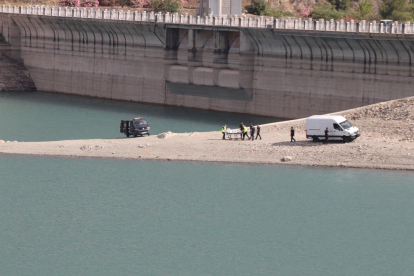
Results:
66 216
40 116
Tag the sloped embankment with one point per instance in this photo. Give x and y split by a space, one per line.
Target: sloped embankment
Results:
392 120
14 76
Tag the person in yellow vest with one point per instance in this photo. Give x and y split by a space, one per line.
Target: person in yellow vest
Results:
245 132
223 130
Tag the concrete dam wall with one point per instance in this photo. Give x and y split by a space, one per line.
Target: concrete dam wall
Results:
264 71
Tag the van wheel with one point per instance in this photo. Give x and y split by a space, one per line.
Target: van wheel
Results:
149 133
135 134
315 139
346 139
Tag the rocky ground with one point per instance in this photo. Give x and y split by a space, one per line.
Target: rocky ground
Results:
14 76
386 142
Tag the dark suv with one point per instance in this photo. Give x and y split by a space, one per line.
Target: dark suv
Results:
136 126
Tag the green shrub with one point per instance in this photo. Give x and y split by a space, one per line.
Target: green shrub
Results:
326 12
411 8
389 6
258 7
170 6
277 12
401 16
341 4
365 8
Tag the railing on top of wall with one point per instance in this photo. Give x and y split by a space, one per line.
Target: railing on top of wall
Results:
234 20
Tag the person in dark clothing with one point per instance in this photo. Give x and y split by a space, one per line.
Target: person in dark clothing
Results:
241 129
292 134
258 132
252 131
251 126
326 136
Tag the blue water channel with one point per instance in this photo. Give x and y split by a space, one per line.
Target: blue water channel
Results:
71 216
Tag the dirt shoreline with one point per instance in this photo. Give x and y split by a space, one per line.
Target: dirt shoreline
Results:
386 142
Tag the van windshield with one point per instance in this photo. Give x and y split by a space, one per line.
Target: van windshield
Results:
140 122
346 124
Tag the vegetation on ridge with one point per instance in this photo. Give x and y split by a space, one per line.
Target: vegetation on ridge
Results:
397 10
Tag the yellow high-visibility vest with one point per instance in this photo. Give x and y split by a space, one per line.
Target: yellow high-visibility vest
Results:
245 129
224 129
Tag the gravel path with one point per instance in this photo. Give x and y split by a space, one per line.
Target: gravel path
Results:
386 142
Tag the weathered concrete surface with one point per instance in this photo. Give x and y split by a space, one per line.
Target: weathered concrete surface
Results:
320 72
271 72
13 75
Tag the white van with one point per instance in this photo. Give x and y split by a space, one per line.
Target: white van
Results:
339 128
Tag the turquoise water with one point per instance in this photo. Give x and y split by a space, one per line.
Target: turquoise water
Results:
40 116
68 216
104 217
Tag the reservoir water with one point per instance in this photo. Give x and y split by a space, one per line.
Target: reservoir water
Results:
70 216
39 116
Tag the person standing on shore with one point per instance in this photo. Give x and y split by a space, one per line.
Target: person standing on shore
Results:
326 136
242 130
245 132
258 132
251 126
252 131
223 130
292 134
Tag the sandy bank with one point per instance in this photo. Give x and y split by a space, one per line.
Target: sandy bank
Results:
387 142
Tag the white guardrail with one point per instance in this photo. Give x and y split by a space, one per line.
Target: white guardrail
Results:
233 20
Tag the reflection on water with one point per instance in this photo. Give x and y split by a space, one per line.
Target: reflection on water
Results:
67 216
39 116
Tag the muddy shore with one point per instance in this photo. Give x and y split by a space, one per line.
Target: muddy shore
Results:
386 142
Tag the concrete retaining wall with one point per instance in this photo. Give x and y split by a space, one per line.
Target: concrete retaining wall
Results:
280 73
302 74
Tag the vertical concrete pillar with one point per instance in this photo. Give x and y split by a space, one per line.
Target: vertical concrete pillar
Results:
321 24
221 51
172 40
196 41
12 35
246 69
